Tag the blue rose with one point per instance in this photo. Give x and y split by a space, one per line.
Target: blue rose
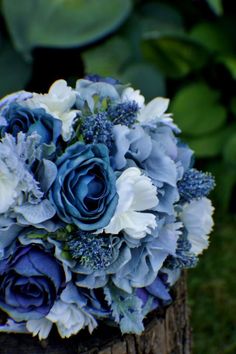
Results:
84 192
30 282
22 119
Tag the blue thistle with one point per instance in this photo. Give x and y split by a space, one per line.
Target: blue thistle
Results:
124 113
184 257
96 128
92 251
195 184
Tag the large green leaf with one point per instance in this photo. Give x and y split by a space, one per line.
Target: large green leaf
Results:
216 6
229 150
145 77
14 71
62 23
160 18
213 35
175 55
210 145
225 176
229 61
197 110
107 59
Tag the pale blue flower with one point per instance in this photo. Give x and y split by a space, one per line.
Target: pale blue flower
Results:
23 199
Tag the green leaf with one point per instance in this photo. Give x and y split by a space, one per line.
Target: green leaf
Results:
229 61
212 36
229 151
213 144
145 77
175 55
14 71
160 17
62 23
197 111
107 59
126 309
224 182
216 6
233 106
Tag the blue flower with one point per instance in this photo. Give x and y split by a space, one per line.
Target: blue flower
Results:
22 119
98 78
195 184
31 280
96 128
24 193
84 192
124 113
92 251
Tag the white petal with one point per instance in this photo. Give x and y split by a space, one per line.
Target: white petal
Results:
153 110
136 194
197 218
7 192
40 327
129 94
145 196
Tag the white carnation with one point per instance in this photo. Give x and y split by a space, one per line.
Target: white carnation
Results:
41 327
136 194
70 318
197 218
8 192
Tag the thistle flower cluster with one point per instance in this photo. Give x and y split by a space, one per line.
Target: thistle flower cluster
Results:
100 207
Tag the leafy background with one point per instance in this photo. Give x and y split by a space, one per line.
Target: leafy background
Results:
183 50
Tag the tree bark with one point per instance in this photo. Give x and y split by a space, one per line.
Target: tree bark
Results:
166 332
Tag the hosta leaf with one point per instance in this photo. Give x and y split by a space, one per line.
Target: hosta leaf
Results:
229 61
216 6
229 150
175 55
213 36
108 58
211 145
14 71
62 23
145 77
197 110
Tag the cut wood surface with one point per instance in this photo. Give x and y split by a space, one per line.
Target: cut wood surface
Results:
166 332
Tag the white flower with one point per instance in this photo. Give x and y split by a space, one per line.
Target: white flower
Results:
136 194
8 189
154 112
40 327
70 318
197 218
57 102
129 94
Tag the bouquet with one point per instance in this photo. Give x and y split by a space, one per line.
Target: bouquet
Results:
100 207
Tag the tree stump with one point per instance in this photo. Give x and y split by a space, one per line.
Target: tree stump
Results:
167 331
